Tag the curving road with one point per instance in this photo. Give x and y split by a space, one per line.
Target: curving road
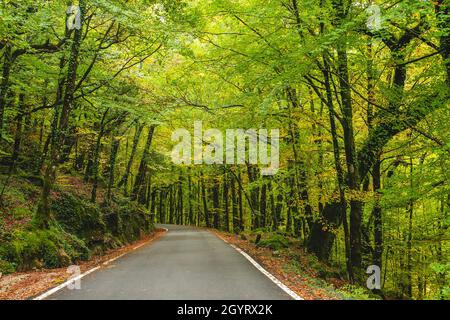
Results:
186 263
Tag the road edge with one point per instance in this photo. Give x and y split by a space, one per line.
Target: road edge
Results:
48 293
260 268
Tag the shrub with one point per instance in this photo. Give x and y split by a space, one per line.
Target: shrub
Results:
21 212
50 248
79 229
2 229
79 217
274 242
350 292
7 267
133 221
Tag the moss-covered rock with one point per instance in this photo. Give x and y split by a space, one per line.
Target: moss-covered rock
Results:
128 221
52 248
105 227
274 242
80 217
79 230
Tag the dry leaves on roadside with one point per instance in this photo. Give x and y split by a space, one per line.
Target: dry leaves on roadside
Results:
275 264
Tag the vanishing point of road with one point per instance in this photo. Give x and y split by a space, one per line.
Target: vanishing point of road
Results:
185 264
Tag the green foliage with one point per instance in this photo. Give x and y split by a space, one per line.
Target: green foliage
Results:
22 212
350 292
80 229
50 248
7 267
101 227
274 242
442 272
80 217
309 263
129 221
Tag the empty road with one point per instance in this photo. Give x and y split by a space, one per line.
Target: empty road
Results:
185 263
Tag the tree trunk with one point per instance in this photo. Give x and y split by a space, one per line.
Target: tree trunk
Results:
171 205
225 203
235 203
216 205
254 195
18 133
43 215
353 178
263 205
276 216
442 11
153 207
293 209
162 196
4 84
191 210
140 177
273 211
180 200
409 239
241 209
148 191
112 164
124 181
377 215
96 160
205 202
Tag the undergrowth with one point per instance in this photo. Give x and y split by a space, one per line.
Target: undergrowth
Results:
79 230
315 273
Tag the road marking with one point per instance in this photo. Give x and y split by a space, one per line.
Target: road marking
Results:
114 259
137 247
65 284
143 244
281 285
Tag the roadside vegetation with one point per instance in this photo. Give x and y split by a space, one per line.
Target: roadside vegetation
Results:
78 231
284 257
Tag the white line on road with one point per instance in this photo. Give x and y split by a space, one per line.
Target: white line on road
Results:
143 244
281 285
114 259
137 247
65 284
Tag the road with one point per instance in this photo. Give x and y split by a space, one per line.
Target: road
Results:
186 263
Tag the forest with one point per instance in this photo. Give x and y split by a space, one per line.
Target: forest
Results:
91 92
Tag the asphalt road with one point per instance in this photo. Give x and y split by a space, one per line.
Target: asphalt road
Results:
186 263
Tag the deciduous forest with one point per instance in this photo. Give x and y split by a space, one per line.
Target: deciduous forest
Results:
92 90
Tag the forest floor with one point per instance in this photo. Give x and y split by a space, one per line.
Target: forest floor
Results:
26 285
298 270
